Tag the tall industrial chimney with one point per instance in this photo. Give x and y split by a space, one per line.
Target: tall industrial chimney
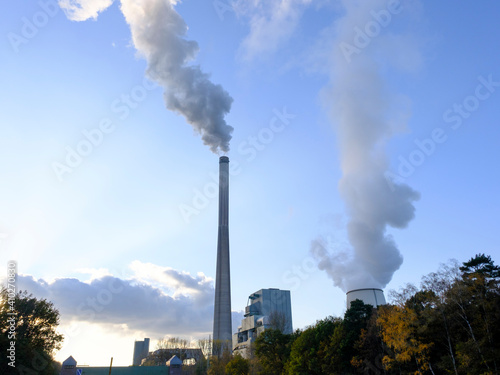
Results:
222 310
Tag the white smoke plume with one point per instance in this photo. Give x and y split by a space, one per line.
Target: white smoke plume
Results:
81 10
271 24
158 33
363 112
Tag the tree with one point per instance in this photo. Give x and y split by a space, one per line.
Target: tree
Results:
31 332
338 352
369 348
254 361
272 348
165 349
172 343
307 355
217 364
481 264
205 345
399 332
238 366
433 303
476 299
450 325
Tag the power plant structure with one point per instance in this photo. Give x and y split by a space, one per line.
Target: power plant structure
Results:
267 308
222 305
141 351
263 302
370 296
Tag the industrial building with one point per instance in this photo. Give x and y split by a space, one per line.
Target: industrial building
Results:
141 351
267 308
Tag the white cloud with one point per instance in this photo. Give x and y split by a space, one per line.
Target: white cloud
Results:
81 10
156 300
178 282
95 273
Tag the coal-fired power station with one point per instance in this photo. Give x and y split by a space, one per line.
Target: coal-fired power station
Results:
222 306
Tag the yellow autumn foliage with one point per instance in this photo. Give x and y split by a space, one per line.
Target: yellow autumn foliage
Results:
398 327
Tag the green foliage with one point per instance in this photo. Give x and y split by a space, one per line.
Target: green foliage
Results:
480 265
217 364
36 337
369 350
272 349
201 367
450 325
338 352
238 366
474 312
355 320
308 355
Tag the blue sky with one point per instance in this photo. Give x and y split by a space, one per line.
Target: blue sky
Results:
115 229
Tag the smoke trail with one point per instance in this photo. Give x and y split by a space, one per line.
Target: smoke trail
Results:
158 35
362 110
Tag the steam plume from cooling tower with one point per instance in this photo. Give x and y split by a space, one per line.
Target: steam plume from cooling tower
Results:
362 111
158 35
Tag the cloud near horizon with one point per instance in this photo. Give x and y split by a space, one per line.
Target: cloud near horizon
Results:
157 300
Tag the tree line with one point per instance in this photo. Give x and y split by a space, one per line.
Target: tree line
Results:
449 325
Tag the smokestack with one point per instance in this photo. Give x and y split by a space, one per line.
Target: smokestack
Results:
222 309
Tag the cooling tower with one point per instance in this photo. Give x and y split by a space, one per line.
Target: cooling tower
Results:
222 305
369 296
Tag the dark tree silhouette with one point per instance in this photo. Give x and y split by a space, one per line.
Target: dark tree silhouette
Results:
31 331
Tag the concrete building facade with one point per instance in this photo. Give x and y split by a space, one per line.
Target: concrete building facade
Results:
222 303
370 296
141 351
267 308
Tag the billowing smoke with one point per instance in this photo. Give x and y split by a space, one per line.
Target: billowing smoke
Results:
158 33
271 24
365 117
